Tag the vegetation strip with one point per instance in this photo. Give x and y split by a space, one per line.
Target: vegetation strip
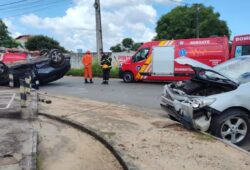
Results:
90 132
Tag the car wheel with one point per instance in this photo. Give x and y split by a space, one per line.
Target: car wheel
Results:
56 57
44 52
3 68
128 77
232 125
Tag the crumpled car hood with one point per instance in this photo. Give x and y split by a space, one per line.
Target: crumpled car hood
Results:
197 64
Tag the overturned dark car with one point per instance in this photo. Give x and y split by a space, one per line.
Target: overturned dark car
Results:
215 100
48 67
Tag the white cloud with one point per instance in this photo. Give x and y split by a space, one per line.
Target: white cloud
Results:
11 28
120 19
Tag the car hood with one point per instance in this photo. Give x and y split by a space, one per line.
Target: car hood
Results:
197 64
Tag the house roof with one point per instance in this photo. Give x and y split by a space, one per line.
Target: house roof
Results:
22 36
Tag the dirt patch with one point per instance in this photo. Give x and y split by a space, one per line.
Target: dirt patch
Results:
149 142
65 148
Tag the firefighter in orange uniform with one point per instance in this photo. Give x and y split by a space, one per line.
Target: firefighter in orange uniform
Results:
87 62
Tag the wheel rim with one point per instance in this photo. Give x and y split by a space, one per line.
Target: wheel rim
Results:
234 129
127 77
2 68
56 57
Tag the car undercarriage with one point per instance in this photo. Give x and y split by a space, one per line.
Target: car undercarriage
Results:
49 66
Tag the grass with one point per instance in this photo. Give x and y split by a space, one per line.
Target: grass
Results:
204 137
38 161
96 71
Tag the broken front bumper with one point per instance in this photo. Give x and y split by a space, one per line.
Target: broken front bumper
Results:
183 111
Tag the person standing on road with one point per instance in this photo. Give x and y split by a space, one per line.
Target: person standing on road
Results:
87 63
106 62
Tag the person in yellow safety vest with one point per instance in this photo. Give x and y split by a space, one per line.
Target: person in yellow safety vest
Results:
87 63
106 62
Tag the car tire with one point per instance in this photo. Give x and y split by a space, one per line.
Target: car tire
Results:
3 69
56 58
128 77
232 125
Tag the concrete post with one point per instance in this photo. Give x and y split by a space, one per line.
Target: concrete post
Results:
99 43
29 99
11 80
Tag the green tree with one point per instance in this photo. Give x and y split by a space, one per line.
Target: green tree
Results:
135 46
127 43
116 48
5 39
181 23
40 42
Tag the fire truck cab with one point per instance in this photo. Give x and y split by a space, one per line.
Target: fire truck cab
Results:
240 46
155 60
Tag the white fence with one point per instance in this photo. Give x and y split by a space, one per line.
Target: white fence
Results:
117 58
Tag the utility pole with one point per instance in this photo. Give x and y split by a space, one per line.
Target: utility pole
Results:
197 20
99 44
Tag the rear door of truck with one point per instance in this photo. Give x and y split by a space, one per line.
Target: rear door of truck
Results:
163 60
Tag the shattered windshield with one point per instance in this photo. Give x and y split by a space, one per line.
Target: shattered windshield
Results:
238 69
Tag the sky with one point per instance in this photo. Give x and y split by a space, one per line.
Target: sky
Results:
72 22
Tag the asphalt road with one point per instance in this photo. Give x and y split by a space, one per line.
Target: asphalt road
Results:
145 95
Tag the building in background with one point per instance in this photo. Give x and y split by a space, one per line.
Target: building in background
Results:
23 39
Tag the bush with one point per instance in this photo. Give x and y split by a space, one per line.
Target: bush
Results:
96 69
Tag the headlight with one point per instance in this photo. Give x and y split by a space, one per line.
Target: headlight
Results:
202 102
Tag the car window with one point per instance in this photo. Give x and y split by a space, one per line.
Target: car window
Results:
141 55
242 50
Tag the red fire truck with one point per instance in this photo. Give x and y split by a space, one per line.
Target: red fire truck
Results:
241 46
8 55
155 60
11 55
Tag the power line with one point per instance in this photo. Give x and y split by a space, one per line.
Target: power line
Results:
29 7
30 11
11 3
18 5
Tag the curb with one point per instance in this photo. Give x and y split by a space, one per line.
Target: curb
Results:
226 143
90 132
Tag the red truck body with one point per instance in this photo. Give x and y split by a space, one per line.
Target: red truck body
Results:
155 60
10 57
240 46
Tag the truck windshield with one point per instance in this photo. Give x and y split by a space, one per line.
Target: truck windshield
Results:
241 50
141 55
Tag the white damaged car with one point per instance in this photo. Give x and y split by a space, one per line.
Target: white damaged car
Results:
216 99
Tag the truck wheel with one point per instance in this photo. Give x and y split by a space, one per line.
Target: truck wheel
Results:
56 57
232 125
128 77
3 68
